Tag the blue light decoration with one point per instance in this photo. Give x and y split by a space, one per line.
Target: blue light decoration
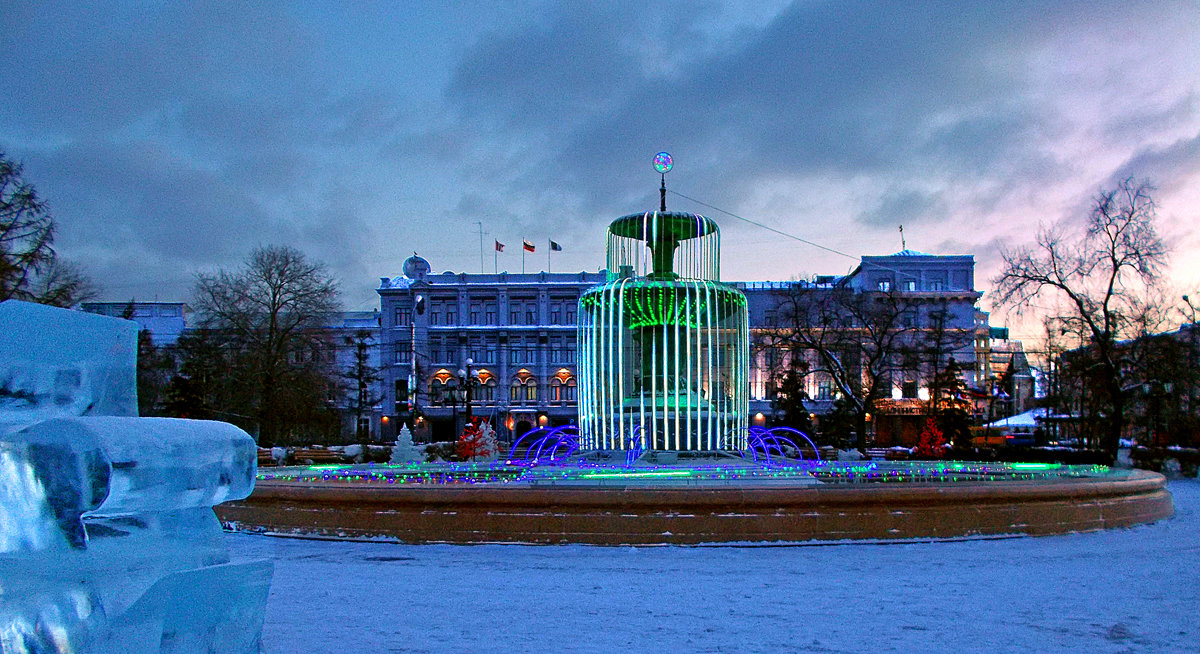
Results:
772 446
636 447
545 445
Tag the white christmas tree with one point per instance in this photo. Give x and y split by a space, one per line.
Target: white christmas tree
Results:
488 436
405 451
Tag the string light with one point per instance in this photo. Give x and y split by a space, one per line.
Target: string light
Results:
580 470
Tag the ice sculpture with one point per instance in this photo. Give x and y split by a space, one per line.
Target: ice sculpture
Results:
108 540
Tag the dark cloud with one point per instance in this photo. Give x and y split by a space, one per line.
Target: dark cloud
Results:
898 207
174 138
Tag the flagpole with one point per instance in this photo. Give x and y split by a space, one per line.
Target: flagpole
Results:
522 255
548 251
496 260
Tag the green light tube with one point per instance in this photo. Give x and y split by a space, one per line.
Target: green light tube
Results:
663 351
635 475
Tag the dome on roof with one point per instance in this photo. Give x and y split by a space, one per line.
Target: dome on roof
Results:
415 267
910 253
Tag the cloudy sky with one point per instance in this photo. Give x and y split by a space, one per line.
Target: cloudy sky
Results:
171 138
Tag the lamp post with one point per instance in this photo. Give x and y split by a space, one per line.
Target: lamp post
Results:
467 381
462 393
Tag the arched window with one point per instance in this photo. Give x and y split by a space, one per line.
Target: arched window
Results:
440 386
485 391
524 388
562 387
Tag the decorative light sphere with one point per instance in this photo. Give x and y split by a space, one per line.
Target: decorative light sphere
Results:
663 162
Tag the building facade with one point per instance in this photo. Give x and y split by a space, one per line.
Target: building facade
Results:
509 342
931 329
166 321
351 341
459 345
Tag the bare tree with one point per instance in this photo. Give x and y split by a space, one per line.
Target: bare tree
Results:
29 267
1104 278
267 313
856 338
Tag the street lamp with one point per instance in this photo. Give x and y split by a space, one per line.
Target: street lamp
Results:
462 392
466 381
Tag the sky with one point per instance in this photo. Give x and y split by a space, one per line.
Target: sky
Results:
173 138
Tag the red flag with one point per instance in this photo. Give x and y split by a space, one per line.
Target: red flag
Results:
527 245
499 246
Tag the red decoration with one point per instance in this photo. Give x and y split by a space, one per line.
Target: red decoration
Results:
932 444
473 442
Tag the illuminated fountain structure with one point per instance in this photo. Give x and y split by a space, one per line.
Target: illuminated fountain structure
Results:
663 345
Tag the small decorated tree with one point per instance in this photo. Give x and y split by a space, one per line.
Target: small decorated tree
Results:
405 451
932 444
490 442
478 440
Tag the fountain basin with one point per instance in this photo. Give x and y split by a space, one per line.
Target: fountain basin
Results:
677 505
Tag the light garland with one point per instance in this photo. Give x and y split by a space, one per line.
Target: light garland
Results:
582 471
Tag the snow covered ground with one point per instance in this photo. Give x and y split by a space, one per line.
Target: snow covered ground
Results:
1129 590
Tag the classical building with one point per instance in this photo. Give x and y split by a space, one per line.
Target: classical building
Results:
500 346
347 334
509 342
933 321
166 321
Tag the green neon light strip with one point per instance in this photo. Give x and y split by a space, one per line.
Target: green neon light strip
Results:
634 475
1035 466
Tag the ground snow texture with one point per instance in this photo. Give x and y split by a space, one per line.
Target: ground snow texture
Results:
1128 590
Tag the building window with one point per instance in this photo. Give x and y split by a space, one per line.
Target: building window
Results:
884 285
402 353
486 390
524 388
824 389
451 317
910 285
562 387
403 317
439 387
